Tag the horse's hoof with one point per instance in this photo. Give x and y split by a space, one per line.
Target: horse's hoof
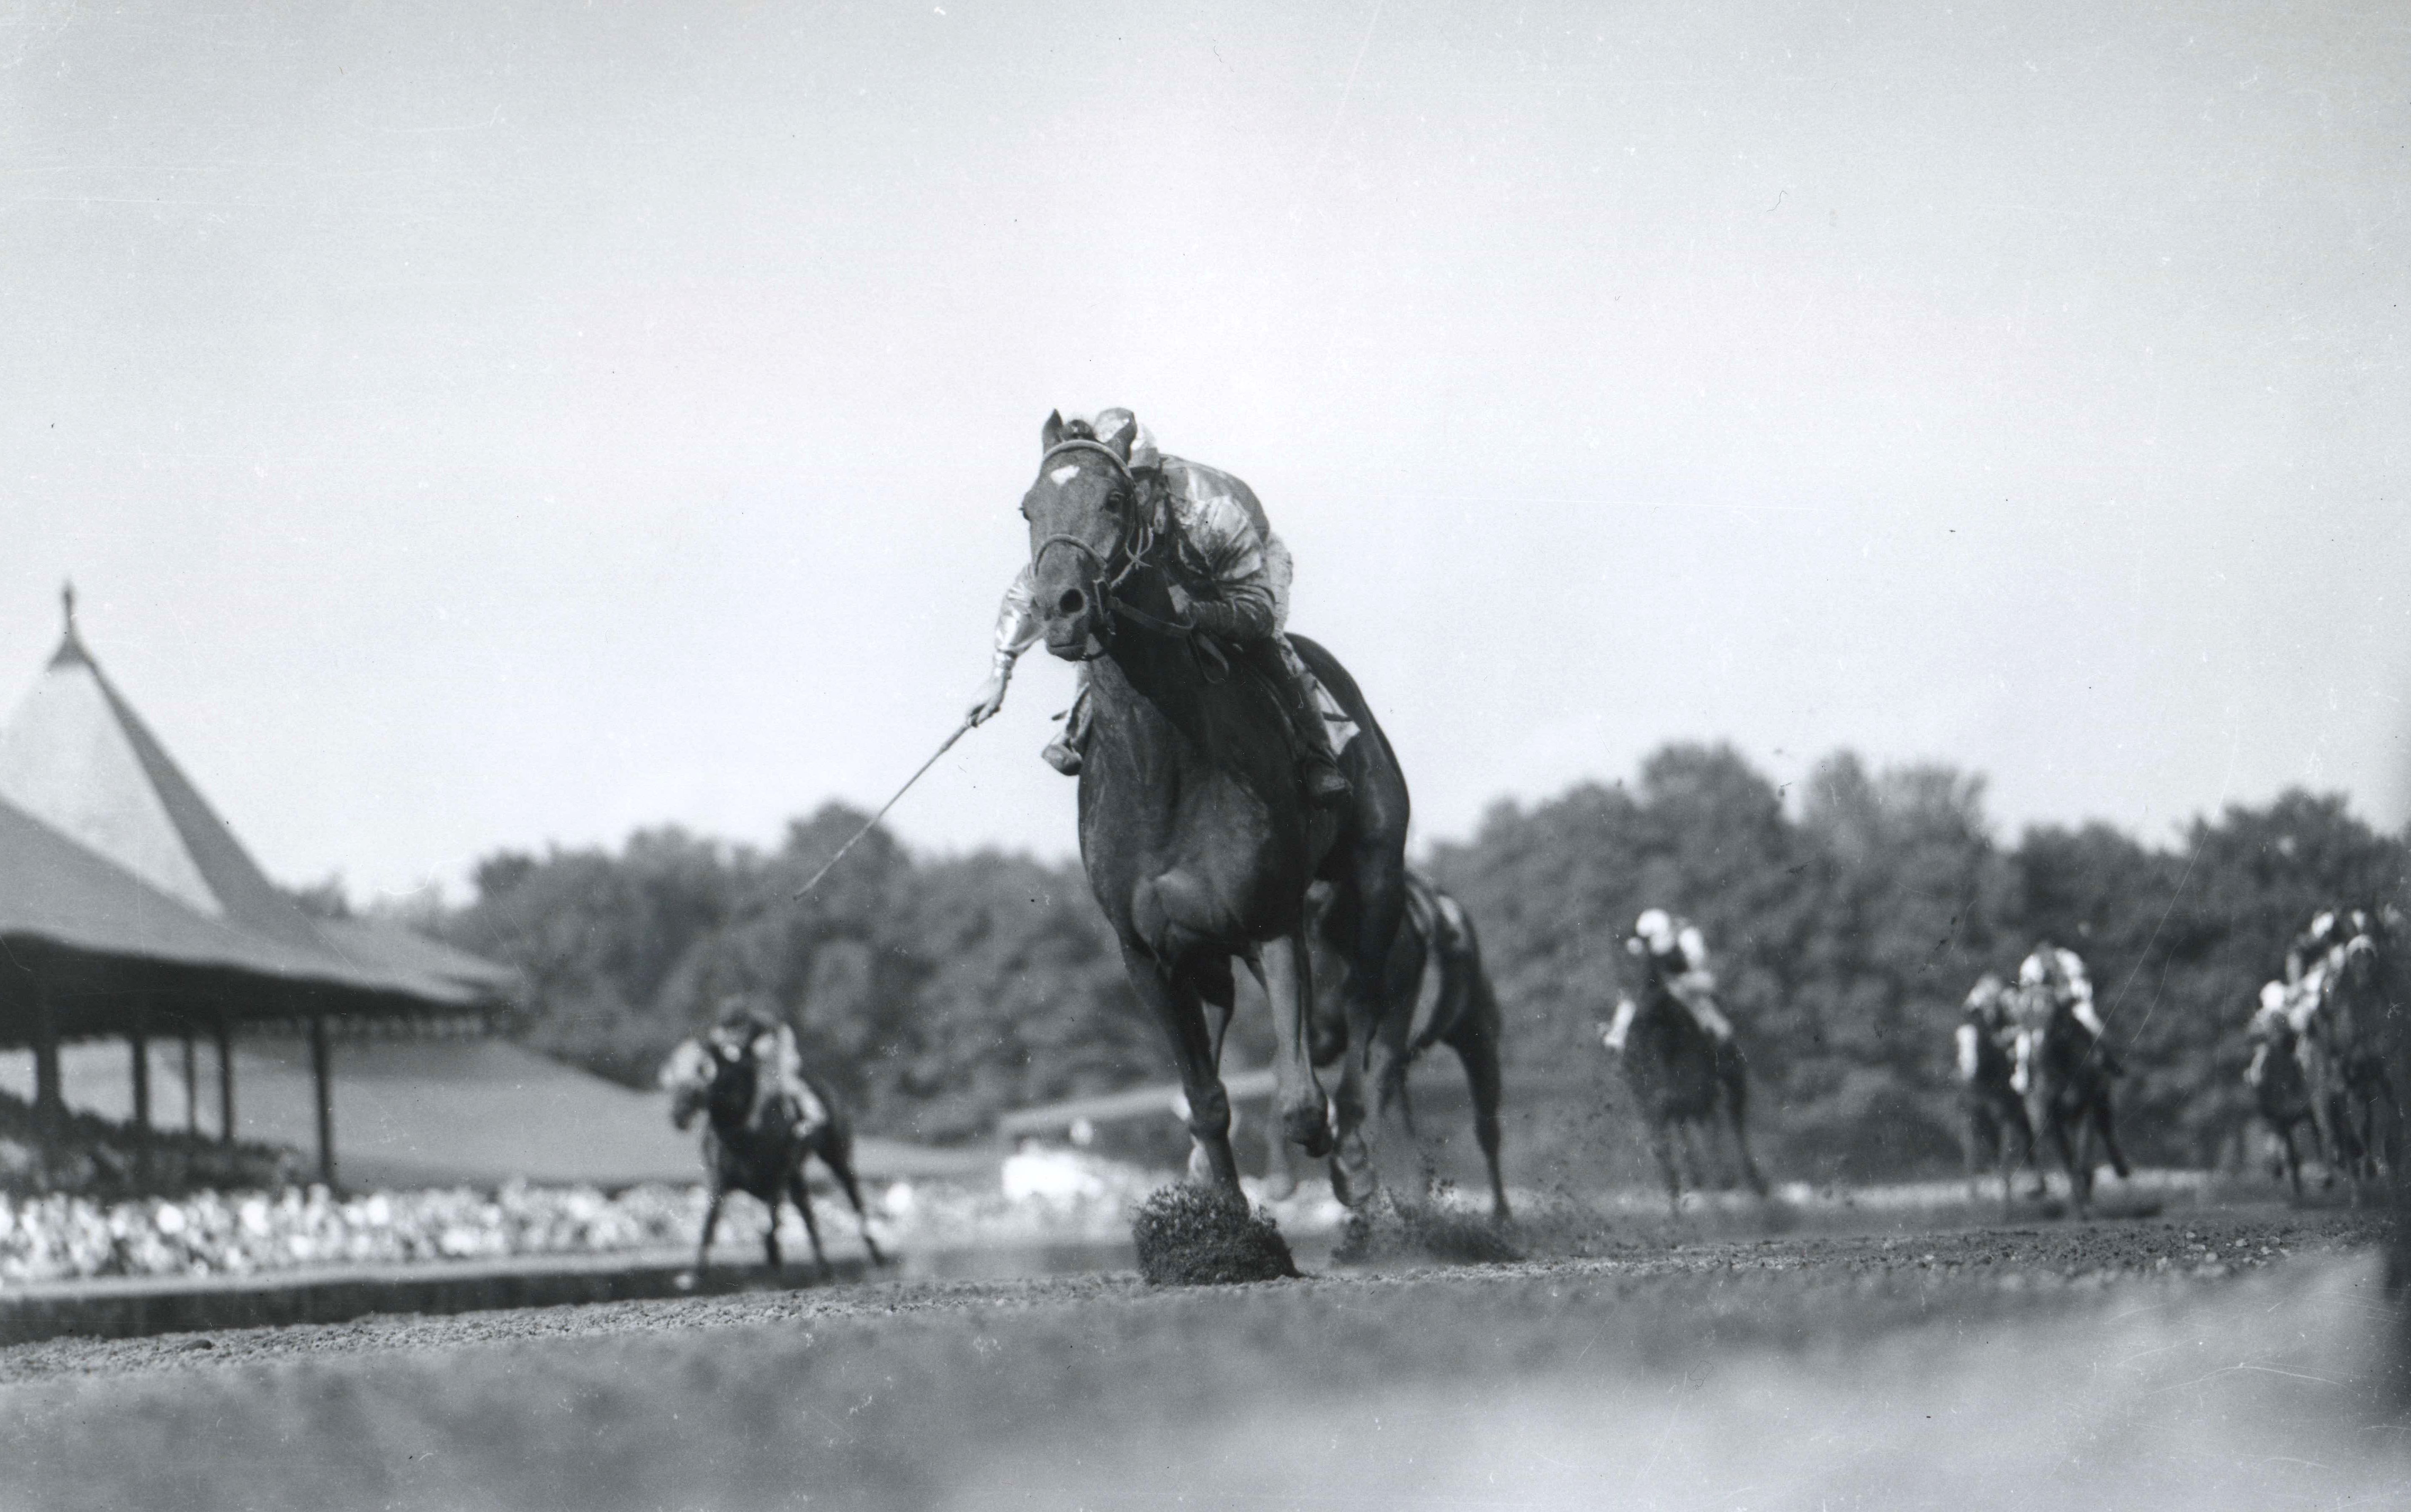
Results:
1310 1128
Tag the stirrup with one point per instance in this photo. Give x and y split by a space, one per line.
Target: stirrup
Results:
1061 755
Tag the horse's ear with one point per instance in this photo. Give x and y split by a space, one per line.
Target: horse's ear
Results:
1050 435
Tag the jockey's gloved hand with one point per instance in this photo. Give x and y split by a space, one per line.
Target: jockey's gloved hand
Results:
990 698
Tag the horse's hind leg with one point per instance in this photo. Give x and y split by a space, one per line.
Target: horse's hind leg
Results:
842 1168
2105 1119
1661 1144
770 1237
1478 1049
1300 1105
2293 1159
710 1223
799 1190
1736 1080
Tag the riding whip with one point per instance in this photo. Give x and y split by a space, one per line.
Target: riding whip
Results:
873 824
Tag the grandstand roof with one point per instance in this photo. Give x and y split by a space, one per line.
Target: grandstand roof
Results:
108 850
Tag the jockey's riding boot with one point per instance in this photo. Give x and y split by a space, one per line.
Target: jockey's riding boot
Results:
1063 752
1317 769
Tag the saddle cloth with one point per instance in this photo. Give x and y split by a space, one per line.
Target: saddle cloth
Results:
1343 729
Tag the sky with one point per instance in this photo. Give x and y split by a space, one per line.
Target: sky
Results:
475 425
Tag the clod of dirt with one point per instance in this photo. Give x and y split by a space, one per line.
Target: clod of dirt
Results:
1424 1234
1203 1236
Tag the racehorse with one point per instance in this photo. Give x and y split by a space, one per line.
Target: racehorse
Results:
1198 838
2281 1091
759 1151
1688 1085
2351 1093
2067 1090
1437 993
1995 1116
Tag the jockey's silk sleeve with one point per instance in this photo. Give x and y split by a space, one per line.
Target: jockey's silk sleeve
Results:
1225 542
1016 622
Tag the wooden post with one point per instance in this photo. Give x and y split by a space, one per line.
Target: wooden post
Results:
192 1083
322 1073
225 1079
138 1042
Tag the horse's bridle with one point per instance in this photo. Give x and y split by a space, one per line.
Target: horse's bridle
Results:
1137 540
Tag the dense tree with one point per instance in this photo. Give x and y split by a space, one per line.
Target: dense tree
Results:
1847 925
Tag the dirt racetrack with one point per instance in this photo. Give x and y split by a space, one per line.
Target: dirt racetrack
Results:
2208 1358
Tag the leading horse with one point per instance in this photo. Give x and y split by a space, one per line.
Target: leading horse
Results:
1198 839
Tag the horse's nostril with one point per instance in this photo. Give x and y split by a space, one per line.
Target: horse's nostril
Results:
1072 602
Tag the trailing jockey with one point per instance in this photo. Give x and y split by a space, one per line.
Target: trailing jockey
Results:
1674 959
2053 979
1231 579
1987 1022
2273 1026
782 1094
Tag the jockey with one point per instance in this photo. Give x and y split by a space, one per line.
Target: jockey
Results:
1231 580
2053 979
2267 1019
1987 1018
2321 943
780 1090
1675 956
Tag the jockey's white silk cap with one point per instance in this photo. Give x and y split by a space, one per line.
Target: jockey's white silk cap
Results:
1109 425
2032 970
1654 924
2272 994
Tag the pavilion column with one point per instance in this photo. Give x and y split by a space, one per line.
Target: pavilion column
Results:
192 1083
138 1041
49 1105
225 1079
322 1073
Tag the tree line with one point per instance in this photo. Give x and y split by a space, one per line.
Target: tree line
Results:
1846 928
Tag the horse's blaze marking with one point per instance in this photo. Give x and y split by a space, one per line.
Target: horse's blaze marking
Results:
1061 475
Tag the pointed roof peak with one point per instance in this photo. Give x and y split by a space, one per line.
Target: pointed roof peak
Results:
71 652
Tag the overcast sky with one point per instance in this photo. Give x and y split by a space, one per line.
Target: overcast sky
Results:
474 424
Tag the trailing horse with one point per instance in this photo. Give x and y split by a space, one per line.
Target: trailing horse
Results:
1199 842
758 1145
2344 1054
1437 993
1688 1085
2068 1092
2281 1089
1995 1115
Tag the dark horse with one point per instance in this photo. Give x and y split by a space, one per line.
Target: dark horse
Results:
1686 1086
2068 1092
1438 992
2345 1051
2281 1091
759 1151
1198 838
1997 1129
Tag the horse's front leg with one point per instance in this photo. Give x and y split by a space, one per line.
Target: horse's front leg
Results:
1303 1113
1182 1018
